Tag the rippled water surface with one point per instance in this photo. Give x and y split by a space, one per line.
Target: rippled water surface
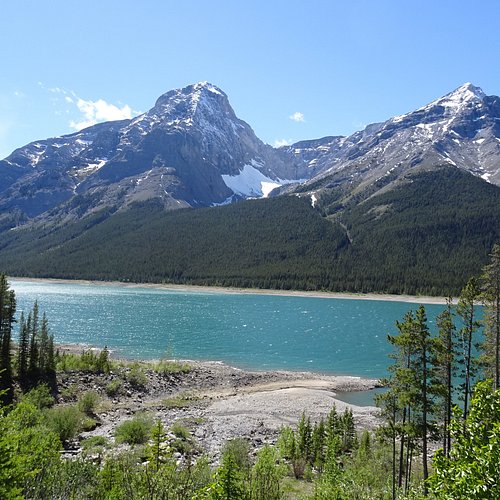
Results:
331 335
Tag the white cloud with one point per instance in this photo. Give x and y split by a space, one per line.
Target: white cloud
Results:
92 111
297 117
99 111
282 142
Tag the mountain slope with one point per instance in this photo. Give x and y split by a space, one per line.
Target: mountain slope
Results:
428 236
461 129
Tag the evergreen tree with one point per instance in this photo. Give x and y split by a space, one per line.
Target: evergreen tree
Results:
444 362
23 352
7 311
490 279
34 347
422 367
466 310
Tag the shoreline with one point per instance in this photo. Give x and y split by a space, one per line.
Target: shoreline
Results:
217 402
353 383
412 299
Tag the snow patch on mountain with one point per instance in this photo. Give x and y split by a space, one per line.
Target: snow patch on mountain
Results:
252 183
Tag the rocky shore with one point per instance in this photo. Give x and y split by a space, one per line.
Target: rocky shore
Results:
214 401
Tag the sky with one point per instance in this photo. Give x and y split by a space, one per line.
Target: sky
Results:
292 69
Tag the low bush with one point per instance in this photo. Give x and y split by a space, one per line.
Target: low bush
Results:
65 421
40 397
88 401
136 377
114 388
167 367
134 431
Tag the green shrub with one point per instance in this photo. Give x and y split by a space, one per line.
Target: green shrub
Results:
87 361
180 431
114 388
180 400
136 377
94 442
184 442
239 449
65 421
135 431
88 402
166 367
40 397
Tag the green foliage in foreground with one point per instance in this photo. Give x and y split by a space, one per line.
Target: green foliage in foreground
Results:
471 470
31 467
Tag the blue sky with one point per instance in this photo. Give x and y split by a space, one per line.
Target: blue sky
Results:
292 69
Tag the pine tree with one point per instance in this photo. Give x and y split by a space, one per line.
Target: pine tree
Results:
444 362
466 310
490 281
7 311
424 347
43 349
34 347
23 352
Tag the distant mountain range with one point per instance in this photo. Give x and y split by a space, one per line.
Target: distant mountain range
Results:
191 151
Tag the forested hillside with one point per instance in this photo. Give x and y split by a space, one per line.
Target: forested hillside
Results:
426 236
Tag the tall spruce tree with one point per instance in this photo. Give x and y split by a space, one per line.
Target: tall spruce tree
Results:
33 330
490 281
444 361
23 352
466 310
7 311
423 369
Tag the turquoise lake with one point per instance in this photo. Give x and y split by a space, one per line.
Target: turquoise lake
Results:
327 335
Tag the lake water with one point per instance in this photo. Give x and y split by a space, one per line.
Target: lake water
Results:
327 335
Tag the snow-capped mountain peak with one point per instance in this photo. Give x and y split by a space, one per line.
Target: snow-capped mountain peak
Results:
465 94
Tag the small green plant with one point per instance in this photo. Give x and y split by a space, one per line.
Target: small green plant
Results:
166 367
70 392
134 431
114 388
184 442
87 361
88 401
180 400
94 443
180 431
40 397
239 449
65 421
136 377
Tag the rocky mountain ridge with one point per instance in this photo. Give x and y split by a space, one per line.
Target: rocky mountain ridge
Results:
190 149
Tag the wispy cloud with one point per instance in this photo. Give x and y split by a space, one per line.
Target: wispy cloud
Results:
297 117
92 112
278 143
99 111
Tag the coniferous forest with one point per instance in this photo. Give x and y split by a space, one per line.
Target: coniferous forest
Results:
425 237
439 436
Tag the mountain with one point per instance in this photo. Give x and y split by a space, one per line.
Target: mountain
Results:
410 205
190 149
461 129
